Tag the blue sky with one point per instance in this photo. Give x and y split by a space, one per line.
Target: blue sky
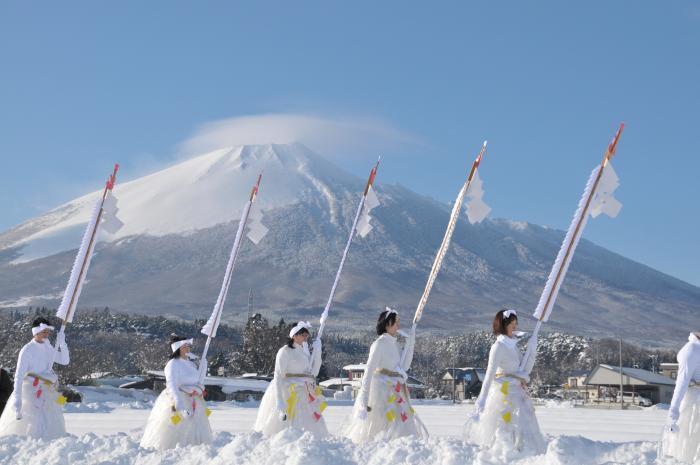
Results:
85 84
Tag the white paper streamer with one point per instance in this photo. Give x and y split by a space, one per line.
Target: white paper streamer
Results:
477 210
571 240
212 324
353 228
75 282
604 200
371 201
110 222
256 230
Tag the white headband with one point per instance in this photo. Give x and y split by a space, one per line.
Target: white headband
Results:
176 345
301 325
389 311
508 313
37 329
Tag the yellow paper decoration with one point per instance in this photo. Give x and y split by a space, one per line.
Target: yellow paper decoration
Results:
292 401
318 390
506 417
392 399
504 387
207 411
390 415
323 406
176 419
61 400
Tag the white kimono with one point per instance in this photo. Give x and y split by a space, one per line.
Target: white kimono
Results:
684 444
293 390
385 394
506 415
180 416
35 397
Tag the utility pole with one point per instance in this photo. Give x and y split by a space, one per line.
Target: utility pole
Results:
622 398
250 301
654 359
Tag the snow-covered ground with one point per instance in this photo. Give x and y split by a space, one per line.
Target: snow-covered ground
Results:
108 433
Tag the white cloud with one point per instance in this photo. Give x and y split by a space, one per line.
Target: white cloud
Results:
328 136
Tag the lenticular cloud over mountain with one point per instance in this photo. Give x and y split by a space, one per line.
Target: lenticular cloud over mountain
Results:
330 136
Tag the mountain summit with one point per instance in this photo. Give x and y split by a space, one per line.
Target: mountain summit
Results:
180 221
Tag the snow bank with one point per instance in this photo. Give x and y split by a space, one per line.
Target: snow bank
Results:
106 398
294 447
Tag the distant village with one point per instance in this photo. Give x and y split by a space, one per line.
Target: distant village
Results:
242 361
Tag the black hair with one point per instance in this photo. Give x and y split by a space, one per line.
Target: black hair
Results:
500 323
290 340
386 318
39 321
176 338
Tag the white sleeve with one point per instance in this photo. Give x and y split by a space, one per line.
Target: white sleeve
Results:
490 375
62 354
280 372
20 373
531 353
315 361
172 384
372 363
407 356
682 381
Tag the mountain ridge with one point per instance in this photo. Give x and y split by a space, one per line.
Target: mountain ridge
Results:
310 204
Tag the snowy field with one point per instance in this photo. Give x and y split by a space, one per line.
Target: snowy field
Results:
106 430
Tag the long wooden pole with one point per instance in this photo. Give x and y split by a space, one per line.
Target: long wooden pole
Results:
442 250
329 302
109 185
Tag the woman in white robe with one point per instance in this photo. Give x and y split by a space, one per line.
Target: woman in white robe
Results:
504 415
293 399
681 437
383 405
180 416
35 407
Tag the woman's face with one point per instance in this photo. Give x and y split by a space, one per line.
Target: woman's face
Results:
300 337
41 336
512 326
393 328
184 350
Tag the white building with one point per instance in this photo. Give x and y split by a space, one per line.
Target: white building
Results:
635 382
354 380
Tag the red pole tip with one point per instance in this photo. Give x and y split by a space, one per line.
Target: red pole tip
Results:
613 144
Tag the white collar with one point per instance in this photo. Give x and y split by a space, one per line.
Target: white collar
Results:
388 335
507 341
693 339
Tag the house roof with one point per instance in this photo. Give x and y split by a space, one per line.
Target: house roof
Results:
337 381
633 374
460 372
355 367
413 383
227 384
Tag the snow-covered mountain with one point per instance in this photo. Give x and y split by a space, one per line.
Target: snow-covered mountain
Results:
170 257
